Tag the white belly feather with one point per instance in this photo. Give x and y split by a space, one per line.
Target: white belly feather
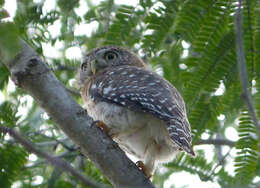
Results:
135 132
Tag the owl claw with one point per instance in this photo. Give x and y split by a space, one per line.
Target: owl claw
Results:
102 126
142 167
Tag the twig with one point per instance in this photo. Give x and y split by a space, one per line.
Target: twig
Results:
73 92
64 67
53 160
242 67
217 142
221 162
62 155
56 141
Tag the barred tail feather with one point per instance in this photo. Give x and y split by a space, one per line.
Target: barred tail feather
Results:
179 132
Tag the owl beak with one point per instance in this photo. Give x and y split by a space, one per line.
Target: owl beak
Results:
93 66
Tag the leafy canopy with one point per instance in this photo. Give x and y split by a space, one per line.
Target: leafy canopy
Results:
191 43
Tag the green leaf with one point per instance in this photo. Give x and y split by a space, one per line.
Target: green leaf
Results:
64 184
8 114
247 155
3 13
9 41
4 75
12 159
67 5
2 3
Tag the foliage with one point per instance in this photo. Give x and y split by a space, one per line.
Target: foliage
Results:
191 43
12 160
247 145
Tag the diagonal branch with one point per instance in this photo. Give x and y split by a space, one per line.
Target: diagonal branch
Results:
32 75
58 162
242 67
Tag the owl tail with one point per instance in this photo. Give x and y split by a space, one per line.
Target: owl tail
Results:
180 133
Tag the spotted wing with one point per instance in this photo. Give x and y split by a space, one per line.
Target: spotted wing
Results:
142 90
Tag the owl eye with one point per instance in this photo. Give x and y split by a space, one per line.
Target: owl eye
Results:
110 56
84 66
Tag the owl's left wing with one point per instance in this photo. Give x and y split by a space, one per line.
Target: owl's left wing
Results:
142 90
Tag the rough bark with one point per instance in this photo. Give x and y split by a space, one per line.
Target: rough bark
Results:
33 76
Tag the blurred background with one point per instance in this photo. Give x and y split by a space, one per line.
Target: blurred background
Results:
191 43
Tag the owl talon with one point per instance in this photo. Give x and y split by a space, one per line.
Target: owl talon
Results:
102 126
142 167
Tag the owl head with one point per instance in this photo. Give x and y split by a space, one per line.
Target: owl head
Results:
105 57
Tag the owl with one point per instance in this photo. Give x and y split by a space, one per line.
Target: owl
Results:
141 110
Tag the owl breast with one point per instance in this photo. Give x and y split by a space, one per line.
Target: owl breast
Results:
134 131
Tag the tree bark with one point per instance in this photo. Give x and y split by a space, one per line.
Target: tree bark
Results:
33 76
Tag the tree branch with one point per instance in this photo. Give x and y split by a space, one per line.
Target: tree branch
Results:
242 67
217 142
58 162
73 92
32 75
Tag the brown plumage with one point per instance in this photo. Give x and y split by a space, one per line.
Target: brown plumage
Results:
145 114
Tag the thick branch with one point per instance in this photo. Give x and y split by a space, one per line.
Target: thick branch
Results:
53 160
242 67
31 74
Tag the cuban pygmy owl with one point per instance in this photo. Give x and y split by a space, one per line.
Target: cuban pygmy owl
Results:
144 113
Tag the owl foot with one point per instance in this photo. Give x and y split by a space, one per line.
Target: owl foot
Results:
142 167
105 128
102 126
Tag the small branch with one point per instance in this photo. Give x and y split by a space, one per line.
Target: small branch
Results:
54 141
53 160
73 92
242 67
217 142
221 162
51 143
64 67
62 155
